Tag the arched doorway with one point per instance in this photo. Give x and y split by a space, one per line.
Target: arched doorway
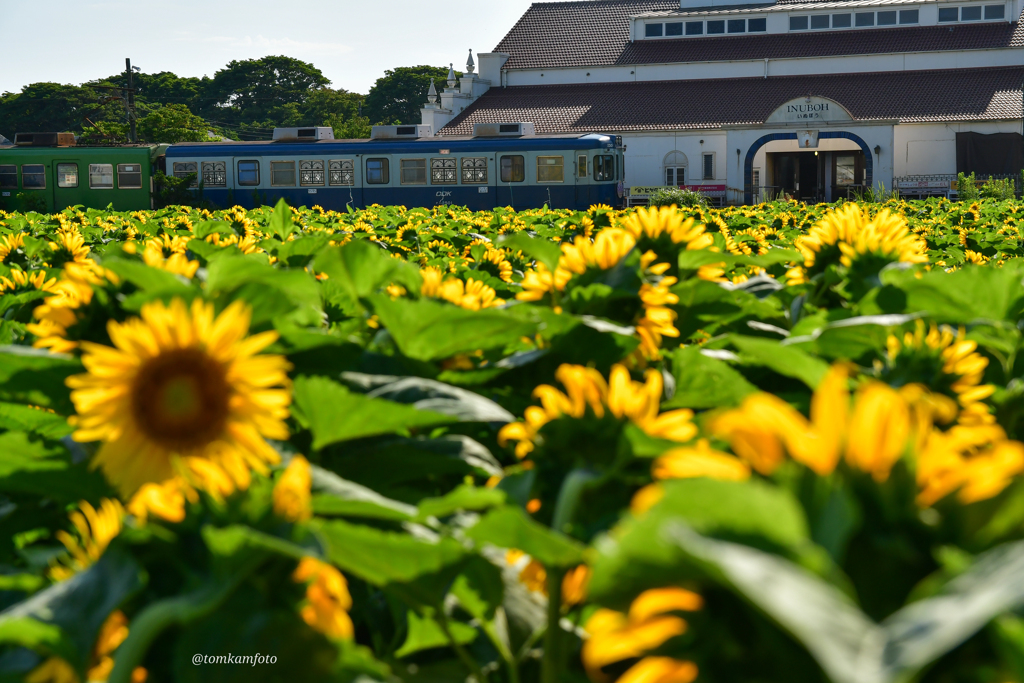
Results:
748 163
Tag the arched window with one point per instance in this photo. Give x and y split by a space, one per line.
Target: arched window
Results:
675 168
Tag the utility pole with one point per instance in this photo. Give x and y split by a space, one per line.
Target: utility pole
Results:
131 100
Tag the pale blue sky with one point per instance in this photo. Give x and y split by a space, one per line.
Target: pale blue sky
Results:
352 42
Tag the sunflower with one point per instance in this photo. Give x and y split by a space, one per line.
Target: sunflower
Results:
94 530
73 291
327 598
176 262
20 280
620 397
650 622
70 246
472 295
849 236
659 227
949 364
9 243
181 383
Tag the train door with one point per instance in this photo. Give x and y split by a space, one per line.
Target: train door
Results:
70 183
510 172
583 186
251 174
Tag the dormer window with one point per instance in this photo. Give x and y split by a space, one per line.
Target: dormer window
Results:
971 13
654 30
717 26
674 28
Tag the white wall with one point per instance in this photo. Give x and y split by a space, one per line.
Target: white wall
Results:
645 155
930 148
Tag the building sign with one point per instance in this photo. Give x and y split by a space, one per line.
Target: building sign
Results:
639 191
810 110
933 183
807 138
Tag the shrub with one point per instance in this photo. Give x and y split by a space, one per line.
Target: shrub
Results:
677 197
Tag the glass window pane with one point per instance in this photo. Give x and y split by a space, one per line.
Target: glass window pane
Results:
653 30
248 172
443 171
948 13
737 25
311 173
669 176
101 176
717 26
33 177
377 172
182 169
819 21
513 169
215 174
841 21
413 171
966 14
604 167
342 172
757 25
865 18
129 176
887 18
798 23
9 176
581 166
67 175
709 167
695 28
674 29
474 170
550 170
909 16
845 169
282 173
995 11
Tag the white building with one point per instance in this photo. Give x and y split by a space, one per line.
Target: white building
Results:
816 98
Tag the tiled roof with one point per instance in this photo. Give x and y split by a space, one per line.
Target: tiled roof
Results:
910 96
596 33
574 33
825 44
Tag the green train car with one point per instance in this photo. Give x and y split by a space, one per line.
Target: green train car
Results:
47 172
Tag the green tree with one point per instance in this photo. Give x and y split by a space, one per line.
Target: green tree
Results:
249 90
52 107
354 128
104 133
398 96
172 123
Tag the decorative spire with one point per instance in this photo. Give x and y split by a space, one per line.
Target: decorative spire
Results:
470 65
451 75
432 93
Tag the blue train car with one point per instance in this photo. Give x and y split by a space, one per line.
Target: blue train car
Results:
527 171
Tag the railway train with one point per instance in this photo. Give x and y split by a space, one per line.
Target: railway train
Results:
501 164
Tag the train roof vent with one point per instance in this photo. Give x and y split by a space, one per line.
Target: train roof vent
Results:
44 139
496 130
303 134
400 132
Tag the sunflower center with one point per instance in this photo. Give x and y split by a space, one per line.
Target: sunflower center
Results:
180 399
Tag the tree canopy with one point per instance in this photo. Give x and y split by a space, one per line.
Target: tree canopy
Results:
398 96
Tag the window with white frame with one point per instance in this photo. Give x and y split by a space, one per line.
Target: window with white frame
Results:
708 166
675 168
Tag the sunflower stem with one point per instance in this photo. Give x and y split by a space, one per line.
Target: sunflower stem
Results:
551 666
460 651
180 610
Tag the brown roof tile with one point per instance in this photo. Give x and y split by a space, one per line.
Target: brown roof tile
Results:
596 33
910 96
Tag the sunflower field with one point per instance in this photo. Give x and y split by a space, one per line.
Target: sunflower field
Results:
739 445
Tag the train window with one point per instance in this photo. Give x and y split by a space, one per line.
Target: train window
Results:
33 177
581 166
604 167
282 174
215 174
443 172
474 170
181 169
513 169
129 176
343 172
101 176
311 173
67 175
248 173
550 169
9 176
377 172
413 171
